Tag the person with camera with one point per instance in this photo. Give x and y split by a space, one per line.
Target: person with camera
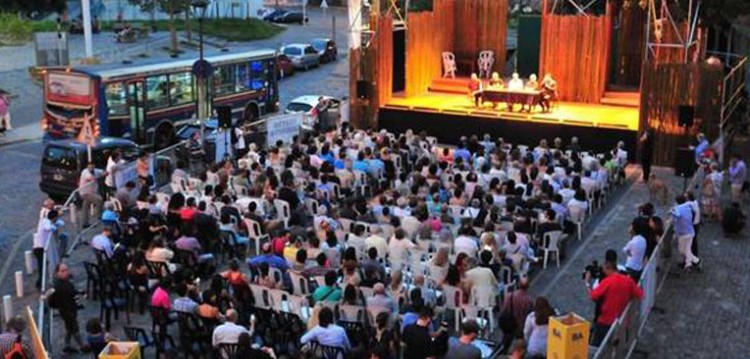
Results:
613 293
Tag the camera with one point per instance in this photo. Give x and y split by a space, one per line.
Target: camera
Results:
595 269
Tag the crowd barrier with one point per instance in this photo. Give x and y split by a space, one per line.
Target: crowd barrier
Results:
622 337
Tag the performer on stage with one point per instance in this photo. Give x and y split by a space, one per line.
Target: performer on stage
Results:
515 84
475 89
549 92
533 83
496 82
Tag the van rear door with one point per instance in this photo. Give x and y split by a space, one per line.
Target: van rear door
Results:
60 170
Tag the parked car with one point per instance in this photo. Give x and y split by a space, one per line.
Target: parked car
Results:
271 15
303 56
284 66
291 17
306 104
64 160
326 49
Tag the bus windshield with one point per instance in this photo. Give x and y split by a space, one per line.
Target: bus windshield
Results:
60 157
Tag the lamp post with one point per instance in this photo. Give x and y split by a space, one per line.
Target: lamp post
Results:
201 68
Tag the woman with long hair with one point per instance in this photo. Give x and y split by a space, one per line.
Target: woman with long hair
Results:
535 328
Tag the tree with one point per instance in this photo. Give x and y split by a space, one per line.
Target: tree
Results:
29 6
171 8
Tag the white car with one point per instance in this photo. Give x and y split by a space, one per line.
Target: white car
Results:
306 104
303 56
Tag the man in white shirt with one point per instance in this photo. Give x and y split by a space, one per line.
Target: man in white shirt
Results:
479 277
467 244
89 191
398 247
635 249
515 83
376 240
103 243
229 332
112 163
46 229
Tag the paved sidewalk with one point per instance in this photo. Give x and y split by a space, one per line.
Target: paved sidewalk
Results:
26 133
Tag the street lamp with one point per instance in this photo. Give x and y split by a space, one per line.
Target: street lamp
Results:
201 68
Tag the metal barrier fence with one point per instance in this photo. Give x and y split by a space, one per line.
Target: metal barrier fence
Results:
622 337
71 212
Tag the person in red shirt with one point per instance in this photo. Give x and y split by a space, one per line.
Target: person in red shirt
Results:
475 89
188 212
279 243
614 292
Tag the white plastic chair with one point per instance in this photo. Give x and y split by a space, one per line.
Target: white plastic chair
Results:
552 239
449 64
578 217
485 62
300 284
283 211
453 301
255 234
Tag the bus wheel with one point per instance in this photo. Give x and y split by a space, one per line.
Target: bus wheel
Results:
251 114
163 137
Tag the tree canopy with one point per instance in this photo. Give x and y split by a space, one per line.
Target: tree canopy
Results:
27 6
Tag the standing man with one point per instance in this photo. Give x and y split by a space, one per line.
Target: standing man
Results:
614 292
462 348
113 162
475 89
701 148
682 219
47 228
63 298
737 177
647 150
89 191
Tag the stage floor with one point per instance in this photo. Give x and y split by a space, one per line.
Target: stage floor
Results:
567 113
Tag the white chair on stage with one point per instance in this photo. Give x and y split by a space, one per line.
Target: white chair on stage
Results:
485 62
449 64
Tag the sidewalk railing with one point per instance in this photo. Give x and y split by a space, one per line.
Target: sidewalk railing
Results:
622 337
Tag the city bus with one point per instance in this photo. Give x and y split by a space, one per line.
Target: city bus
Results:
147 103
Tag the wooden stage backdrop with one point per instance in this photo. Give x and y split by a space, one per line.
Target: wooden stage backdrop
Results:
458 26
699 85
575 50
630 41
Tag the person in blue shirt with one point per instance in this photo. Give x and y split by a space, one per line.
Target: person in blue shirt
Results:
326 154
462 152
360 164
702 146
682 221
270 258
326 333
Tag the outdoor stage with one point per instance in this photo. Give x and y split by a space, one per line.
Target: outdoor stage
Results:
450 116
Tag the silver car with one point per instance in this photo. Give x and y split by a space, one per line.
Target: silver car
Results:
303 56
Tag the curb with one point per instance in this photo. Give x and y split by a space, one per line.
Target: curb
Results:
18 141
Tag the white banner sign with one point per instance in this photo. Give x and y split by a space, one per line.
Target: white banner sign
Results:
355 23
125 173
283 127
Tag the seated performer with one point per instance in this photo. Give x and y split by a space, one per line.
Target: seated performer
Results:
549 92
515 84
532 84
496 82
475 89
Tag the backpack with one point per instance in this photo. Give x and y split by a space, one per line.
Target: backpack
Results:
16 351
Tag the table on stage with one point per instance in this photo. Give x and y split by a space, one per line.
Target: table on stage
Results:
512 97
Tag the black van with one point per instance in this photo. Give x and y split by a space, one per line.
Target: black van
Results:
64 160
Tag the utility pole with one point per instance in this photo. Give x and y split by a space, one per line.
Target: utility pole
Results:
86 10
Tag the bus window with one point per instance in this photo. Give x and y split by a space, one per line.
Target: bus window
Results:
116 97
225 79
181 88
243 80
157 91
258 75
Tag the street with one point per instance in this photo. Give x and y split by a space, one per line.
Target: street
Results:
20 198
